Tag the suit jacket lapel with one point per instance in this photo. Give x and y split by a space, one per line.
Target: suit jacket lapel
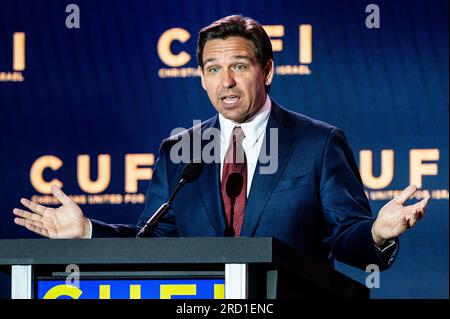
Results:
264 184
210 188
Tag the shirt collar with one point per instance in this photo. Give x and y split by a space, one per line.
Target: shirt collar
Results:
253 127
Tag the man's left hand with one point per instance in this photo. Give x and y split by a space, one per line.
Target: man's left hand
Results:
395 217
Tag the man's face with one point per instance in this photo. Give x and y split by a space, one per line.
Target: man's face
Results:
233 78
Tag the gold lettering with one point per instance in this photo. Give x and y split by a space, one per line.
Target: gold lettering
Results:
165 53
417 168
19 51
305 43
275 31
37 170
104 173
366 170
133 172
134 198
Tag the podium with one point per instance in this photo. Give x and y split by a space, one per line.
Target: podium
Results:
234 268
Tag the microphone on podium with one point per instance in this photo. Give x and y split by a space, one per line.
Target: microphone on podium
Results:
190 173
233 187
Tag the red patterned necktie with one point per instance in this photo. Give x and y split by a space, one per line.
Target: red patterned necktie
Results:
235 162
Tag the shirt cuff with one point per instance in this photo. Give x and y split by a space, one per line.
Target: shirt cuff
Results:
88 233
389 251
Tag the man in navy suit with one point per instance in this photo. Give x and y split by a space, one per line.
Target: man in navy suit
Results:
300 182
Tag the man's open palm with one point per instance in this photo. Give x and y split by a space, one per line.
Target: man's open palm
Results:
66 221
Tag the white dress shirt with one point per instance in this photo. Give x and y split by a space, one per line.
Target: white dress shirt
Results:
254 131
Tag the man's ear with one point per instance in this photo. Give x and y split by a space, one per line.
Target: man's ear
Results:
202 76
269 71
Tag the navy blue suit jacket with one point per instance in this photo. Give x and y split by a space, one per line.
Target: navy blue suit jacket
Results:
315 200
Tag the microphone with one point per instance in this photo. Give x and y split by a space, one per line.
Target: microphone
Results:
190 173
233 188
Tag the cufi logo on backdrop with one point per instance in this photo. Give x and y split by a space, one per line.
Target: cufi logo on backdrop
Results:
176 61
423 170
18 60
137 168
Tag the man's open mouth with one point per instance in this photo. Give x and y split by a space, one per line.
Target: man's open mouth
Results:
230 99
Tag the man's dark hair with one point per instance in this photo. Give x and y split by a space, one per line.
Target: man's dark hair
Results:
237 25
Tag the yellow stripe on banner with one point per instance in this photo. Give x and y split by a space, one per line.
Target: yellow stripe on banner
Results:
167 291
219 291
135 291
19 51
104 292
305 43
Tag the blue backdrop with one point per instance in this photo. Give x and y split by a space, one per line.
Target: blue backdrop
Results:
105 88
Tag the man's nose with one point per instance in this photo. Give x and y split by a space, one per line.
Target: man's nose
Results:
228 80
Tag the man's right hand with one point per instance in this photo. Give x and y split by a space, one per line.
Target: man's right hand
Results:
66 221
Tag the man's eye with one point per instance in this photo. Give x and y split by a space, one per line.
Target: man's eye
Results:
213 69
240 67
